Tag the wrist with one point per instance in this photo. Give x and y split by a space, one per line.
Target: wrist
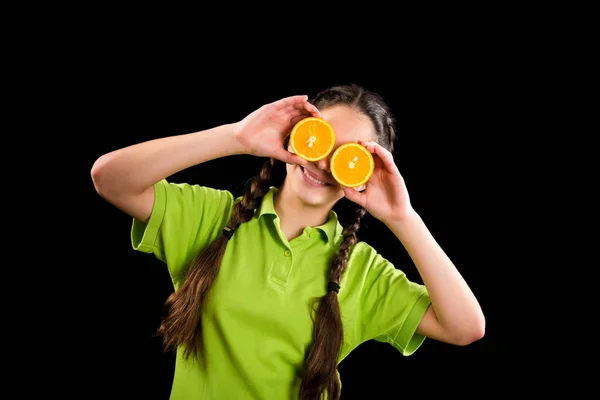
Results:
238 145
400 220
214 143
223 138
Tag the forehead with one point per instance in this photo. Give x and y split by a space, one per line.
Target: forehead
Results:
349 124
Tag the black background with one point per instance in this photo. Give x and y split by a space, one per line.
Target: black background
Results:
453 116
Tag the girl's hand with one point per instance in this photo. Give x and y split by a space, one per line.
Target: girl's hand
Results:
385 196
263 132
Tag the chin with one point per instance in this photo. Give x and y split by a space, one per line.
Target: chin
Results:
310 192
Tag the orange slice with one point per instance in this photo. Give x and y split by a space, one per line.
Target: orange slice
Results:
352 165
312 138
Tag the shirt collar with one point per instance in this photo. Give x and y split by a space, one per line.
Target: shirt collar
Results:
331 227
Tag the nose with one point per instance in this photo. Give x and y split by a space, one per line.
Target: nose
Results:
324 164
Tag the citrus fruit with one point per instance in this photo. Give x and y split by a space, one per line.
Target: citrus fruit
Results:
312 138
352 165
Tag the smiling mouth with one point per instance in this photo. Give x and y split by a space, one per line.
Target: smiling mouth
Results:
313 179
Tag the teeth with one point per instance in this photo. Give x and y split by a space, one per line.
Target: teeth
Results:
313 179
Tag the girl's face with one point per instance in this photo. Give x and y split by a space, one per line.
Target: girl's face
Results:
314 185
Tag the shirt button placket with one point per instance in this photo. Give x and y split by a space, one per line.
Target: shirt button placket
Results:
282 268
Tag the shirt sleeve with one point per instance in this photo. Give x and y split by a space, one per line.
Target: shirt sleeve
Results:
185 219
391 305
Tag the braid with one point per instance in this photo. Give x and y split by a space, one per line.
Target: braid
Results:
349 239
182 311
321 364
259 185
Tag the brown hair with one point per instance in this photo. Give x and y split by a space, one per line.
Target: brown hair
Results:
181 324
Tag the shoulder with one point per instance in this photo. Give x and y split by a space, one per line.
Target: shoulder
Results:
191 198
365 263
194 192
363 255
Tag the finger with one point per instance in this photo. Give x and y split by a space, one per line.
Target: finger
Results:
297 119
301 114
290 101
298 114
312 110
355 196
287 157
303 108
384 155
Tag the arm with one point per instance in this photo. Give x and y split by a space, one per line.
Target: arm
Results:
126 177
455 315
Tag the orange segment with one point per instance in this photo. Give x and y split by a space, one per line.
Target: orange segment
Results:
352 165
312 138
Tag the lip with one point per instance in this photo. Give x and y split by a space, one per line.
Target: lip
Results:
318 177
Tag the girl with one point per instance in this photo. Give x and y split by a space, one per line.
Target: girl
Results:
272 291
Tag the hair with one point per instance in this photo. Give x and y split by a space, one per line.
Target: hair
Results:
181 323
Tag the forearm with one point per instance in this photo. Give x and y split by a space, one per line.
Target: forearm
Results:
135 168
456 307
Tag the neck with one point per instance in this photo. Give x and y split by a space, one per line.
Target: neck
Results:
294 215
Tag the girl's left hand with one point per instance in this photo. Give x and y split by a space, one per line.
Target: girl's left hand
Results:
385 196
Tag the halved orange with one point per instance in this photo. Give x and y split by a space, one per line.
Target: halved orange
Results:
312 138
352 165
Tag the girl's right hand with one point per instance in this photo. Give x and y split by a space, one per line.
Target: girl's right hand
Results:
263 132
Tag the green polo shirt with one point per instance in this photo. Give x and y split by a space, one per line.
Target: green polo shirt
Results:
257 323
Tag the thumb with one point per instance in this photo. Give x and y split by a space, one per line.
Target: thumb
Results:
354 195
287 157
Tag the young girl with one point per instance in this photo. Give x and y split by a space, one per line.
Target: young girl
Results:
272 292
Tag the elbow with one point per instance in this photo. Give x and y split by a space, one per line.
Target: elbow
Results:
100 174
475 332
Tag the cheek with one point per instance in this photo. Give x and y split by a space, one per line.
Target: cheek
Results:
289 168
